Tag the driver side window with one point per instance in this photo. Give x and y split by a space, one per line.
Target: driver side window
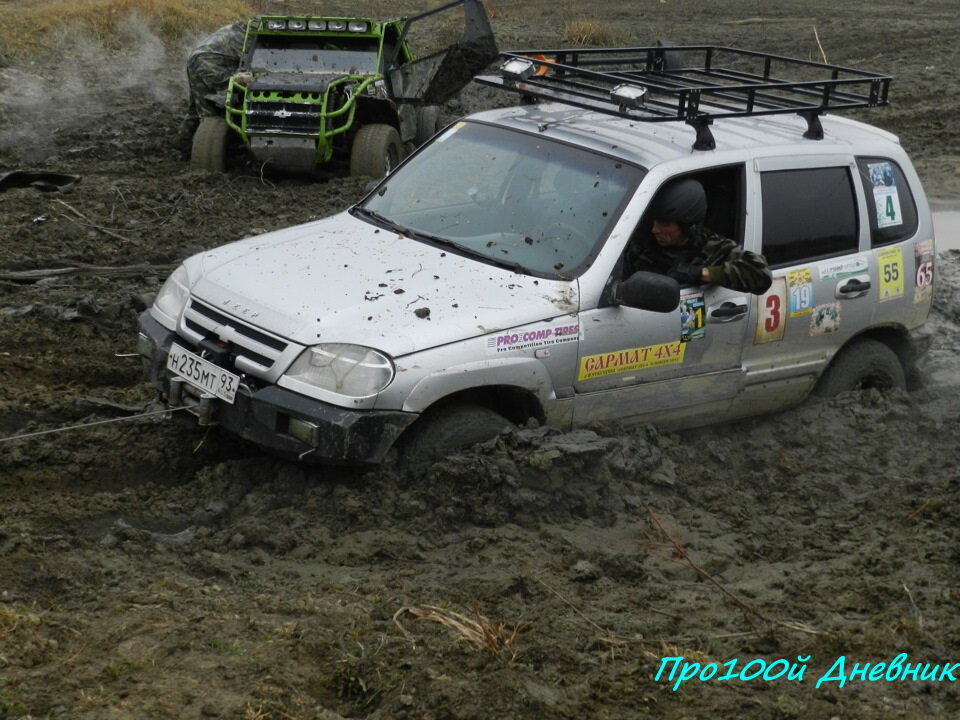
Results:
725 190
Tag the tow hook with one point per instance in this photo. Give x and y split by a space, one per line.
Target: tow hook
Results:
180 396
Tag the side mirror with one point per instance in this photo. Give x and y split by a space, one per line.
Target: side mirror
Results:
648 291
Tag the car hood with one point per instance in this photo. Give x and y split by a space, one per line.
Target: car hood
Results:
343 280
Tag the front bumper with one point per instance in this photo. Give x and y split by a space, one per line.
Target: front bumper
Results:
284 422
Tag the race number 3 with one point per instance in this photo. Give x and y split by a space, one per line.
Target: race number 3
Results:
771 308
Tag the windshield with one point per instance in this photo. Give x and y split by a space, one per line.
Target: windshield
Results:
350 55
511 197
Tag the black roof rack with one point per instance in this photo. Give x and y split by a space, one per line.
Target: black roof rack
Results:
693 83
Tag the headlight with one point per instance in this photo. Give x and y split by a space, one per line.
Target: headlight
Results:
173 295
276 24
319 25
296 25
357 27
337 25
351 370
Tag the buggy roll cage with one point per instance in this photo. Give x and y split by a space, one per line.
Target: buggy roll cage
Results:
693 83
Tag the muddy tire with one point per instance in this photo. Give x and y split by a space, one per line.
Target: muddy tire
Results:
376 150
428 118
210 144
447 430
862 364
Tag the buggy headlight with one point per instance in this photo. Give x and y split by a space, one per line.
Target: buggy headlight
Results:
276 24
296 24
351 370
337 25
319 25
357 27
174 294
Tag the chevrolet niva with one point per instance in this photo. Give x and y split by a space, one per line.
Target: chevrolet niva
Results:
491 277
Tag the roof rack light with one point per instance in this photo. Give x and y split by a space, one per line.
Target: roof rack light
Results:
517 69
628 96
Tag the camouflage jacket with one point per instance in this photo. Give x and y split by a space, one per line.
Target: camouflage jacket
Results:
212 62
728 264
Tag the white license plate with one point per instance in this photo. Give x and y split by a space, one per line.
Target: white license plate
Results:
203 374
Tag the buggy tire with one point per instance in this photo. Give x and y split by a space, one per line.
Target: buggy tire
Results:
210 144
447 430
376 150
428 118
863 364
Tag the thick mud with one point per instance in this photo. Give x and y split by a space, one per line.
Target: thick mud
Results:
149 569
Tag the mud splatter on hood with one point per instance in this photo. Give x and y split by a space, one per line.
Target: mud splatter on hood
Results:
343 280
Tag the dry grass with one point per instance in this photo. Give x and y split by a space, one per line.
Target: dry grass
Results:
493 10
479 631
39 26
583 33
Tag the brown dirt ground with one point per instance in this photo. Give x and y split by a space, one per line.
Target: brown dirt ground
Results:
150 571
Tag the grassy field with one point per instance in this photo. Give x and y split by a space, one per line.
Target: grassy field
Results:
37 27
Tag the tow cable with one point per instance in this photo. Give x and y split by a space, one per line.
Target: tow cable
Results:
90 424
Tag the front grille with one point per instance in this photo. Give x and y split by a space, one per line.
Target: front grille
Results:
268 354
248 331
283 117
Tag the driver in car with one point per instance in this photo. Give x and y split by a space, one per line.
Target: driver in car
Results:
693 254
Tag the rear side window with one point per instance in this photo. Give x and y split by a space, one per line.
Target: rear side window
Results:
891 209
808 214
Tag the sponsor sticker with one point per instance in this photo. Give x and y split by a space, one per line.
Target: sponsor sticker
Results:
886 199
533 338
843 268
630 359
890 266
692 317
771 321
923 262
801 292
825 319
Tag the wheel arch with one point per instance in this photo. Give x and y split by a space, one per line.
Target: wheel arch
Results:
374 110
879 357
896 337
517 404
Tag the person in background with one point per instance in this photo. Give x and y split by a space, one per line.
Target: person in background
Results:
209 68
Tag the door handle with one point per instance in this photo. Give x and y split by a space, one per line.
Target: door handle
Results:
853 288
728 311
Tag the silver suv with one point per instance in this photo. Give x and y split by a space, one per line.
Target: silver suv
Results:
488 279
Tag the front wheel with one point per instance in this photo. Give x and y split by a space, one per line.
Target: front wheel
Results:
428 118
862 364
376 150
210 144
446 430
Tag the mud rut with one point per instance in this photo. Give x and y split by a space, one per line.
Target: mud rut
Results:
150 570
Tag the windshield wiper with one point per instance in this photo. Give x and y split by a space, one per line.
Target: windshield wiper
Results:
396 227
382 221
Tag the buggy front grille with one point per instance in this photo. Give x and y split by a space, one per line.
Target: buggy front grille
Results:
283 117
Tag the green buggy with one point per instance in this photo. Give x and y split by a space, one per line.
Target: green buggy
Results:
311 92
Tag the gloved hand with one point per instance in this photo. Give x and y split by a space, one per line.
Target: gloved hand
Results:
689 272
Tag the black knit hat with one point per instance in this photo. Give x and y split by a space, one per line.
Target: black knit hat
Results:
682 201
